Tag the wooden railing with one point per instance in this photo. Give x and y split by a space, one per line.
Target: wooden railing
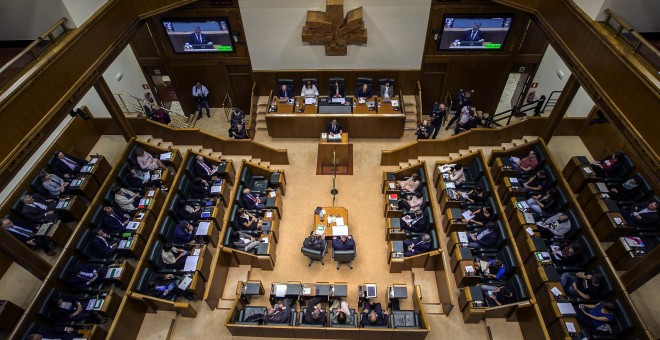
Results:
639 46
418 98
251 123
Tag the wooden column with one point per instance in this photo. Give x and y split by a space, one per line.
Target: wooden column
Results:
24 256
558 112
115 111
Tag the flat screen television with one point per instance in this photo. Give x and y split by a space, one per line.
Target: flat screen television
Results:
199 35
473 32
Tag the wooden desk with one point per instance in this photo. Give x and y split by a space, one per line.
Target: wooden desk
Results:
92 332
212 231
134 248
389 187
598 208
559 329
147 220
528 245
542 275
463 277
282 107
518 223
111 303
623 255
335 153
363 107
302 108
223 194
510 187
272 203
394 231
266 252
10 313
197 285
274 224
334 211
443 198
472 305
71 206
125 275
554 313
459 256
453 241
98 167
582 175
453 221
391 207
395 256
155 203
611 226
58 232
510 208
174 159
386 106
590 191
249 289
572 166
84 185
344 139
545 297
499 170
369 125
320 289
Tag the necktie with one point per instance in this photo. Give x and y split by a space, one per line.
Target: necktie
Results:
116 218
252 198
473 34
71 164
206 167
333 128
39 205
22 231
199 38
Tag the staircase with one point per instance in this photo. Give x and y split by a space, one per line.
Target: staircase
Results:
410 108
262 110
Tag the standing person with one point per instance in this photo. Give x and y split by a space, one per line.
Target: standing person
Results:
437 117
423 130
201 94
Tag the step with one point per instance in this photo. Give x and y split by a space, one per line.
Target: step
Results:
263 100
235 274
166 145
216 155
155 141
409 99
261 118
261 126
157 325
265 164
184 148
507 145
433 308
206 152
143 138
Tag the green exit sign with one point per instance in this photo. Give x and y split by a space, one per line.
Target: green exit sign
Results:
492 46
222 48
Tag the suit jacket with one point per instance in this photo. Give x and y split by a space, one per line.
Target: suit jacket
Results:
133 181
389 91
56 333
35 213
101 247
467 36
338 245
337 128
333 90
359 93
79 280
649 219
249 204
19 231
161 285
288 93
416 225
182 236
195 40
241 134
60 168
184 214
114 223
420 247
487 240
308 318
199 171
281 315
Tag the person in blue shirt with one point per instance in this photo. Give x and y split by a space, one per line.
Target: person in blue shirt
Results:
494 270
594 316
184 233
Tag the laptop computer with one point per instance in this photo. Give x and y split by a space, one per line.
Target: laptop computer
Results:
370 291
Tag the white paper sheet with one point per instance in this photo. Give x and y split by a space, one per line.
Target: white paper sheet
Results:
462 237
191 263
203 228
566 308
339 221
340 230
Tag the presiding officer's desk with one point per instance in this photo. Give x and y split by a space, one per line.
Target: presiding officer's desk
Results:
305 121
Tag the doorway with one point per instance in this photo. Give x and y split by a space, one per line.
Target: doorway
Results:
513 92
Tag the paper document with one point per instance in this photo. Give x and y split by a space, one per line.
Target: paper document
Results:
570 327
362 100
340 230
469 270
529 218
191 263
310 101
602 187
513 180
132 225
566 308
206 214
339 220
43 229
587 170
514 159
555 291
113 273
320 229
468 215
269 214
203 228
165 156
462 237
185 283
90 304
407 219
151 193
617 220
307 291
272 194
93 160
76 182
483 265
392 185
529 231
280 290
196 251
338 100
395 102
450 185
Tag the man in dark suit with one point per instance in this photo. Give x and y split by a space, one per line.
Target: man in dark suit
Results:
36 208
333 127
198 38
313 313
343 243
363 91
251 201
84 275
285 92
485 238
159 284
184 233
203 170
316 242
642 215
27 235
60 332
437 118
386 90
373 315
282 314
103 245
475 34
67 166
416 223
71 309
417 245
337 90
114 222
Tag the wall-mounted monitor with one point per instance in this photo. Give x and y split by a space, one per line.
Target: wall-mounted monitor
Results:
473 32
199 35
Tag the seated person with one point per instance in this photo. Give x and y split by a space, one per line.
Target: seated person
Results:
486 238
538 182
424 130
173 258
526 164
70 309
471 123
309 90
200 189
189 211
333 127
238 131
414 222
566 253
103 245
67 166
596 317
284 92
248 221
84 275
59 332
387 90
417 245
543 203
495 269
127 200
184 233
203 170
165 286
363 92
474 196
457 174
341 314
373 315
146 161
337 90
114 222
158 115
582 285
554 226
243 241
642 215
412 203
497 296
316 242
626 190
409 185
141 179
314 314
251 201
54 184
27 234
481 216
280 313
237 117
343 242
37 208
608 165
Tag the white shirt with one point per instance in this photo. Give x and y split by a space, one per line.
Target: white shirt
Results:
201 91
313 92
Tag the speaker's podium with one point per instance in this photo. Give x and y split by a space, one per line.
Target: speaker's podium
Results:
335 152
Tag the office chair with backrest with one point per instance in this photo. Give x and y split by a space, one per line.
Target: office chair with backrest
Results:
353 324
65 273
382 81
121 178
156 260
331 83
313 254
607 288
313 80
45 307
37 185
83 246
622 323
501 239
587 256
364 80
344 257
576 226
508 259
257 184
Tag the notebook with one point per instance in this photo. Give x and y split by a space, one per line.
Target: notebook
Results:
566 308
185 283
462 237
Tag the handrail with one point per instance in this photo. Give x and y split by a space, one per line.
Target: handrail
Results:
142 101
47 35
252 111
534 105
550 101
623 28
419 105
142 112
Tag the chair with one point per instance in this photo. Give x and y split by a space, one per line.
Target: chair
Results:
64 274
313 80
301 315
331 82
84 247
37 185
121 178
645 189
473 172
509 260
257 184
166 230
249 311
382 81
404 319
353 324
620 325
516 285
184 188
501 238
45 308
627 167
587 255
97 217
314 255
364 80
156 260
430 224
344 257
233 220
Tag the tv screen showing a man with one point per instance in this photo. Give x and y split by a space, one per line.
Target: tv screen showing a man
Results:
199 36
471 33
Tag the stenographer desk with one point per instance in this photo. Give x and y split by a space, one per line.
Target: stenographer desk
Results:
306 121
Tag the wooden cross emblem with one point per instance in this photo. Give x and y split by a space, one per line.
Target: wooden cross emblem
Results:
330 29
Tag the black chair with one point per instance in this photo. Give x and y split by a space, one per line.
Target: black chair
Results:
83 246
142 284
382 81
371 326
344 257
364 80
97 217
501 239
166 231
65 273
121 178
576 226
45 309
627 166
473 172
430 224
185 189
156 260
607 288
587 256
234 222
516 285
248 311
622 323
645 190
287 82
508 259
331 83
132 157
37 185
314 255
257 184
404 319
313 80
301 315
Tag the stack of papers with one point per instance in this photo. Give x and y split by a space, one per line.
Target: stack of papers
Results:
555 291
272 194
151 193
450 185
566 308
310 101
340 230
196 251
165 156
587 170
269 214
191 263
132 225
468 215
203 228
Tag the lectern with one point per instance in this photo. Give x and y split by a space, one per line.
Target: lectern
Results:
334 150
